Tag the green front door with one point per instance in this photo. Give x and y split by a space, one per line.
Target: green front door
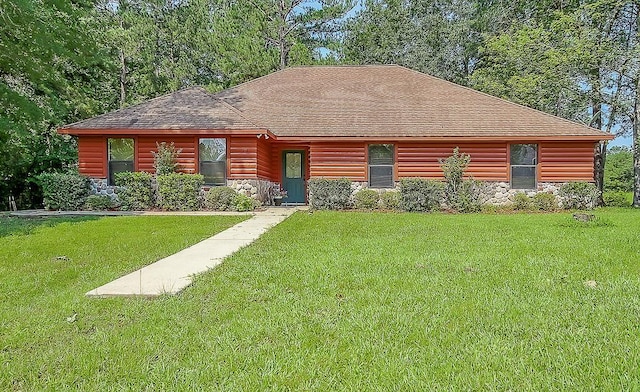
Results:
293 176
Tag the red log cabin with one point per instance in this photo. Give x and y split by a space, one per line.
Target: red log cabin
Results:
371 124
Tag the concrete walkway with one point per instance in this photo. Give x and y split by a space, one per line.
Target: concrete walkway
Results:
172 274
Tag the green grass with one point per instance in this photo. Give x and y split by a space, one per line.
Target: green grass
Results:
19 225
338 301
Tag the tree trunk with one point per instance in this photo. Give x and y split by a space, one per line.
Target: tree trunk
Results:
636 146
601 149
123 78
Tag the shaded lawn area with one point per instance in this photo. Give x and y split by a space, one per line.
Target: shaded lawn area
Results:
19 225
334 301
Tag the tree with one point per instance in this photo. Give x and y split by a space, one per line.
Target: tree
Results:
618 174
436 37
52 71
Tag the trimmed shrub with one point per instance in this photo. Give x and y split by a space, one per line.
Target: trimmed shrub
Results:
616 199
367 199
522 202
99 203
221 198
417 194
578 195
136 191
327 194
243 203
64 191
544 201
391 200
179 191
467 197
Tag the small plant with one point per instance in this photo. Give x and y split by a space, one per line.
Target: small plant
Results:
165 161
467 197
545 201
521 202
453 169
243 203
99 203
417 194
578 195
64 191
220 198
616 199
327 194
367 199
136 191
278 193
390 200
179 191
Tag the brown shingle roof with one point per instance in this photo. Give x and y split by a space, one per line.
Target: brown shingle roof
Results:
345 101
191 108
385 101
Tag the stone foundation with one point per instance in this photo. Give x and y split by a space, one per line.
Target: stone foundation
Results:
495 193
99 187
500 193
256 189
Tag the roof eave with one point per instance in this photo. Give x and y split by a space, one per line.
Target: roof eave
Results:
510 138
173 132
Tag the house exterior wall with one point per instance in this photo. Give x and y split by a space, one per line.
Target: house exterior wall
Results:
187 159
566 161
338 160
249 157
92 156
488 160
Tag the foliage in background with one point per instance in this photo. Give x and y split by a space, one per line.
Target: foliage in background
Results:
618 172
420 195
64 191
165 160
53 71
367 199
325 194
136 191
617 199
578 195
179 191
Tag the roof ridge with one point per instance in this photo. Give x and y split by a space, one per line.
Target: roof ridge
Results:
504 100
197 87
236 111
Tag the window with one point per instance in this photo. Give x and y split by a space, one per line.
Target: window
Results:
524 161
381 165
121 154
213 161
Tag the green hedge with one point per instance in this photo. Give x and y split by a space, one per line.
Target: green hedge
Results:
417 194
99 203
367 199
390 200
136 192
221 198
579 195
179 191
64 191
327 194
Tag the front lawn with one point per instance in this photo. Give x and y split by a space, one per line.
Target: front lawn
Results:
338 301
